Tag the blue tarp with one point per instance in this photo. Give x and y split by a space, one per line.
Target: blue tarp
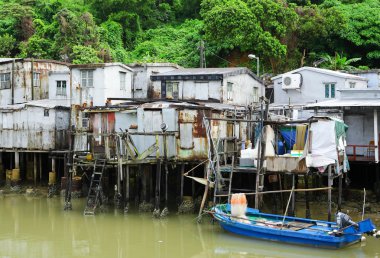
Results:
289 135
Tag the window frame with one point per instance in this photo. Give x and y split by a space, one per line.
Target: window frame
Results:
87 78
5 81
36 79
122 82
330 90
172 90
229 90
59 88
255 94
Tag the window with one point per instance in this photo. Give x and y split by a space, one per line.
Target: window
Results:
330 90
61 88
172 90
46 112
122 76
352 85
255 94
5 80
229 90
36 80
87 78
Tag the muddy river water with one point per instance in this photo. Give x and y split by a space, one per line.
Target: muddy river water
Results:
38 227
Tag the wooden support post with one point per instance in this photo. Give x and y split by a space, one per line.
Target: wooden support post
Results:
158 186
181 184
307 203
340 192
293 207
166 184
35 168
281 195
329 183
40 167
143 182
127 186
204 199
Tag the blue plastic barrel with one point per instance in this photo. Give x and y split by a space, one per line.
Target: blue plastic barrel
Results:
280 148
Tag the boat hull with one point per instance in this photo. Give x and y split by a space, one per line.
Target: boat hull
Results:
319 234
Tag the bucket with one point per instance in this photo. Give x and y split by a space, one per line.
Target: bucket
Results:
15 174
52 178
238 204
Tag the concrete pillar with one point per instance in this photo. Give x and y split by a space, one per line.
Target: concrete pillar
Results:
376 135
15 178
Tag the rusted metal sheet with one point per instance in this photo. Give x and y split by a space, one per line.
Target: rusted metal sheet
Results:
32 127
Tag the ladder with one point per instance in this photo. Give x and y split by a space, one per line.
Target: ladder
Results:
94 198
223 181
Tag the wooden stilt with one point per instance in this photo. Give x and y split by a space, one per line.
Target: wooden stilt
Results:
340 192
40 167
329 183
181 184
205 192
143 182
35 168
307 203
293 207
281 195
127 186
158 188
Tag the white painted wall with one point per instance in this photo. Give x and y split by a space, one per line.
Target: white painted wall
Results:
106 85
312 88
29 128
58 76
243 91
141 77
22 80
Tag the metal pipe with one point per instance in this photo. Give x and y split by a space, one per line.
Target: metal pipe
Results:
266 122
329 184
376 135
32 78
13 82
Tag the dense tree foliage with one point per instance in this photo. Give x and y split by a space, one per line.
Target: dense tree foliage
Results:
285 34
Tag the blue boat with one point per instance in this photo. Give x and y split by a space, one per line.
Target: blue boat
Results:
293 230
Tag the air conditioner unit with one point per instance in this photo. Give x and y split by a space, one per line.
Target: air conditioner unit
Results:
291 81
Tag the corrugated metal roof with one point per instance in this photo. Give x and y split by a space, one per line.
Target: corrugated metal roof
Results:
44 103
323 71
100 65
346 103
218 72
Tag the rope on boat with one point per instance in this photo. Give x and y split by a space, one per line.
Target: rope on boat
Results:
287 206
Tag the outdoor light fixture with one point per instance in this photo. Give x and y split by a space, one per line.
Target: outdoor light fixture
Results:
252 56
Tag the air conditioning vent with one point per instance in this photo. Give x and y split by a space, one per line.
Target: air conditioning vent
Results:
291 81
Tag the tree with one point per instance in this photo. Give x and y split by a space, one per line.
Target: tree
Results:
6 45
363 29
176 44
84 55
258 26
338 62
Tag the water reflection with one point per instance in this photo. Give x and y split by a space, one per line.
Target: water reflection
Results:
38 227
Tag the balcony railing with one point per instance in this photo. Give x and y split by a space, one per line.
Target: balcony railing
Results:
361 152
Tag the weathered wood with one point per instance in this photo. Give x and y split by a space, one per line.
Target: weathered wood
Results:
158 185
307 202
206 174
340 192
329 180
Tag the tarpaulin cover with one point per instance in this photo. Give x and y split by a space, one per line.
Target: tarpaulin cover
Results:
323 144
289 134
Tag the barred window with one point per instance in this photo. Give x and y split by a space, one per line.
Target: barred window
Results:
61 88
87 78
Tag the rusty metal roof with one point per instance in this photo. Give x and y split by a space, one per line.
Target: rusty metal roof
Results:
9 60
